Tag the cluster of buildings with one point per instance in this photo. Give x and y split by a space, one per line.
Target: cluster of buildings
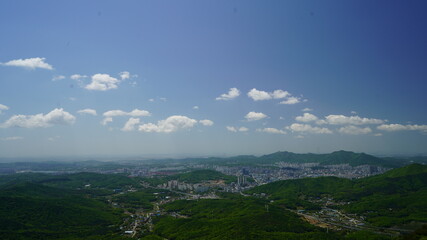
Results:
182 186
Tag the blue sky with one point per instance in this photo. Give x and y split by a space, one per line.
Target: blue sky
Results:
212 78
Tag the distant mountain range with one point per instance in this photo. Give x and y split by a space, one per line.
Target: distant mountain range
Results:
338 157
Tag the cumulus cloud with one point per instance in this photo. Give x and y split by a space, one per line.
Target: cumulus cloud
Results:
232 93
14 138
259 95
353 120
231 129
29 63
271 130
124 75
78 76
306 128
88 111
278 94
58 77
400 127
131 124
307 110
56 117
243 129
353 130
206 122
237 129
3 107
254 116
133 113
291 100
106 120
168 125
102 82
120 113
306 117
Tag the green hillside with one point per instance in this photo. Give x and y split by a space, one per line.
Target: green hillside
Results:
34 211
395 197
75 180
236 218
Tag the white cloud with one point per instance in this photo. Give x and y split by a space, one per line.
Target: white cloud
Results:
232 93
231 129
131 124
353 112
196 107
14 138
133 113
307 117
353 120
29 63
400 127
77 76
278 94
306 128
56 117
106 120
102 82
271 130
259 95
88 111
243 129
254 116
53 139
58 77
290 101
124 75
72 98
151 100
353 130
378 134
3 107
321 122
170 124
206 122
235 129
115 113
307 110
163 99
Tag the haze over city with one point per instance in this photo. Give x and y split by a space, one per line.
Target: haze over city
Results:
212 78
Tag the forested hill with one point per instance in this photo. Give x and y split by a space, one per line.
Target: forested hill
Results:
34 211
398 196
338 157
